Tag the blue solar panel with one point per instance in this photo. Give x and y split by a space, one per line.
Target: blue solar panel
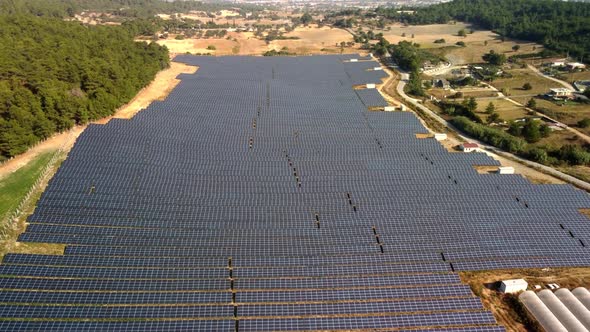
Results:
263 194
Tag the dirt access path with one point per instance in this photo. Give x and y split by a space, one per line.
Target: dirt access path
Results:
158 89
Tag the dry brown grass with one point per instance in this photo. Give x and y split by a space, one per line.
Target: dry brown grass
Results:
569 113
425 35
507 110
578 76
312 40
485 169
245 42
520 76
581 172
474 50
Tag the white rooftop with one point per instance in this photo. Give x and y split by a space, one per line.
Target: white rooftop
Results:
563 90
514 282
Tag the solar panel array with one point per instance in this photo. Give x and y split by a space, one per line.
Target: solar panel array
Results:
263 195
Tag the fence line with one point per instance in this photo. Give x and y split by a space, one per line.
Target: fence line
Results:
10 222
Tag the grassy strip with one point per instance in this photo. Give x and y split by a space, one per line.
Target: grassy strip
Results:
14 188
33 171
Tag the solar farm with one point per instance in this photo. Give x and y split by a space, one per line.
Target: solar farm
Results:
263 195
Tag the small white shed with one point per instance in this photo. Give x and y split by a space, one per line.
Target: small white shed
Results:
505 170
440 136
389 108
371 85
513 286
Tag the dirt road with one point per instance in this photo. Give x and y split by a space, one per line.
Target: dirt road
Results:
158 89
562 83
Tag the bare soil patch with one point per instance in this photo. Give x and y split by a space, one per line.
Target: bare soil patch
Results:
314 40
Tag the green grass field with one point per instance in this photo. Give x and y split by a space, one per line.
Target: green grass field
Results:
14 187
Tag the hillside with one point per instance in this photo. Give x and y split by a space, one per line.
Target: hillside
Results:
559 25
55 74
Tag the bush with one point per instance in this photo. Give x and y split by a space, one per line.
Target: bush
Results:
179 37
538 155
532 103
531 130
584 123
461 110
211 47
495 137
282 52
527 86
494 58
460 43
574 155
440 41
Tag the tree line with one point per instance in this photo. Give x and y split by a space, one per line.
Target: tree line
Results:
55 74
558 25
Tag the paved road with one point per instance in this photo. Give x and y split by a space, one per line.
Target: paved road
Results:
493 150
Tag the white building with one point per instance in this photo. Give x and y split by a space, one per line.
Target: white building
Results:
505 170
576 65
440 136
469 147
513 286
560 92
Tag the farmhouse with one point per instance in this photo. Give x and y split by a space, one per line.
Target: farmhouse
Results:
575 66
560 93
441 83
469 147
558 64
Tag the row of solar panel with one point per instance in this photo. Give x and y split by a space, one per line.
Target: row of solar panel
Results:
254 325
242 311
39 282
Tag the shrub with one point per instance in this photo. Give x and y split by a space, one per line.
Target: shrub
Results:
495 137
585 122
460 43
211 47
